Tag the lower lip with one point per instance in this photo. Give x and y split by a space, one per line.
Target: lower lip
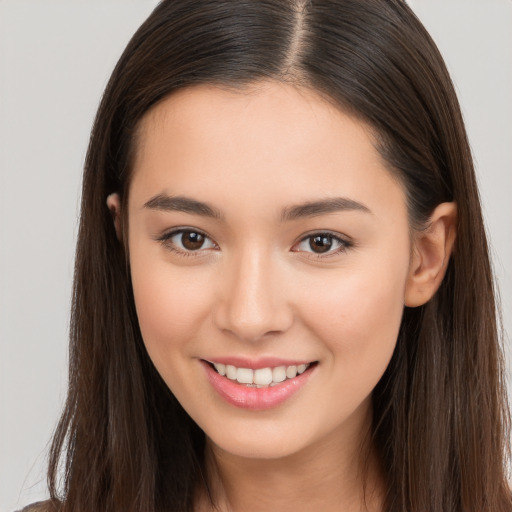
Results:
257 399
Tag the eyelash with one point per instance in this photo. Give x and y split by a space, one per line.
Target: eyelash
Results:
166 240
343 244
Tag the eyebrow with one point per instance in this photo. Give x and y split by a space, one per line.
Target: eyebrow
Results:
184 204
322 207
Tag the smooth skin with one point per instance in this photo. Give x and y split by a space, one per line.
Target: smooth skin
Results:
256 274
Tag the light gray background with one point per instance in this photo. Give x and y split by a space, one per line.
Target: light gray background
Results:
55 58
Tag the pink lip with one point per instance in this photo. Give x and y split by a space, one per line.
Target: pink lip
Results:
256 399
255 364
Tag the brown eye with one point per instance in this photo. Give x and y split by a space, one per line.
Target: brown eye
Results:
187 240
192 241
320 243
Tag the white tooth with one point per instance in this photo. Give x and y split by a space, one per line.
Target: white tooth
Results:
261 386
302 368
230 372
221 368
274 384
263 376
244 375
291 372
279 374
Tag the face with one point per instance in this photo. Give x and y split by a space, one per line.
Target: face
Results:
269 251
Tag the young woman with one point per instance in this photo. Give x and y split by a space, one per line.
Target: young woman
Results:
283 298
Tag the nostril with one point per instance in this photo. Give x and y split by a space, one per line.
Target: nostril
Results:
251 304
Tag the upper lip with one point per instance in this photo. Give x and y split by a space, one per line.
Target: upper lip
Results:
255 364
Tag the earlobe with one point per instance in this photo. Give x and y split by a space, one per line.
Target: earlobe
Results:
432 249
114 205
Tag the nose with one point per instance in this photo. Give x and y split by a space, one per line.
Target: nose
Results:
252 302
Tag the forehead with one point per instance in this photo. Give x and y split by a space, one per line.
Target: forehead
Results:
261 109
270 142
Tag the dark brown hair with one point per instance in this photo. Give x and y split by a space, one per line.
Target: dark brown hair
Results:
440 414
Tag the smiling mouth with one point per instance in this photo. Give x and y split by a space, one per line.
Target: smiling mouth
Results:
262 377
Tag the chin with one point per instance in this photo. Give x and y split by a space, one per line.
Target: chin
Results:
249 447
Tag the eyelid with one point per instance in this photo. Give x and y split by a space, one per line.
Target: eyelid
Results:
165 240
345 243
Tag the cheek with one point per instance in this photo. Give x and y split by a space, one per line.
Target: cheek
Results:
358 319
170 306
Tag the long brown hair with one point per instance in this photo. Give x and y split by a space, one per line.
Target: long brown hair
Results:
440 411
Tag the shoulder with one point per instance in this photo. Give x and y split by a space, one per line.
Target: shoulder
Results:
41 506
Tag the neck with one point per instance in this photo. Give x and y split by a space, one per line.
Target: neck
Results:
336 474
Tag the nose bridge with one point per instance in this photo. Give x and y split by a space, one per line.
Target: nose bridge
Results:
252 302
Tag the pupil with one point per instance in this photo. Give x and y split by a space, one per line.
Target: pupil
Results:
320 243
192 241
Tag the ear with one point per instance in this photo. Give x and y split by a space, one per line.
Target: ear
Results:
114 205
431 253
